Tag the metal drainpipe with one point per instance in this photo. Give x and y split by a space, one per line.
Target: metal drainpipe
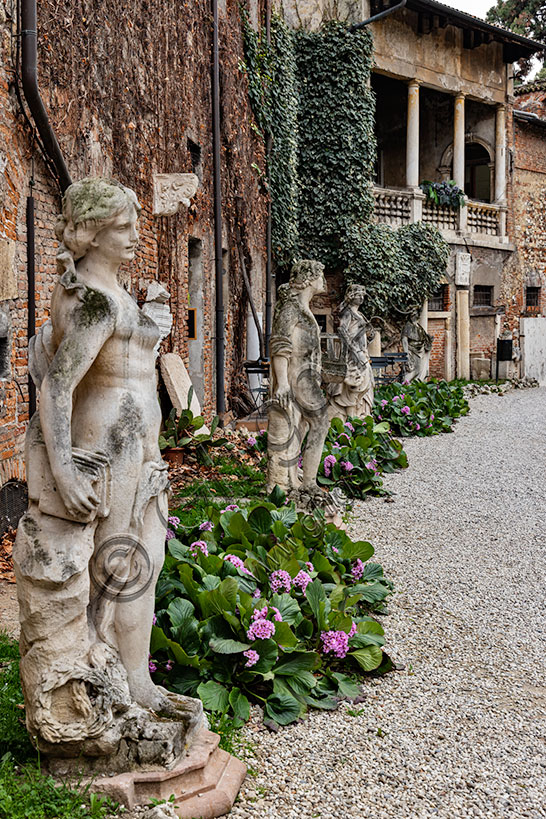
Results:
379 16
29 71
268 258
31 299
217 190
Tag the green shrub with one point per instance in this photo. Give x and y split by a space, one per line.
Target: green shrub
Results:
266 605
357 453
420 408
13 735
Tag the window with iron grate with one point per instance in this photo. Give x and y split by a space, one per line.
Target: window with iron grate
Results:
483 295
438 301
532 298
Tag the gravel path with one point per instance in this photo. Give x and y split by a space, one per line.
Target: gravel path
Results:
457 732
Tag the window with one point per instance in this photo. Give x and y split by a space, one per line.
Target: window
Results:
532 299
477 175
438 302
195 154
321 321
192 331
483 295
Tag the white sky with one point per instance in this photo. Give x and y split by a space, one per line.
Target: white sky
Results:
478 8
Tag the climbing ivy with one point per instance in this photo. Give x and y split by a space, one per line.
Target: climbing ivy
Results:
337 141
311 96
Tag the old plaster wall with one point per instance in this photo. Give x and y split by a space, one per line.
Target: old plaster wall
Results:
438 59
311 14
127 87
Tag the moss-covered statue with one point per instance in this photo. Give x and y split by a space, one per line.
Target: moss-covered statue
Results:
417 343
298 406
91 545
353 397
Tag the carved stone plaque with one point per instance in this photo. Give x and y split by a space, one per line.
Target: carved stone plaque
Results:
462 269
172 190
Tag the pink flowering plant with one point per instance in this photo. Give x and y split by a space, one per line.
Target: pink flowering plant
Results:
357 453
267 606
420 408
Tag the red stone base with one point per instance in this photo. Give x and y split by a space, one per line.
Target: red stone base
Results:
204 784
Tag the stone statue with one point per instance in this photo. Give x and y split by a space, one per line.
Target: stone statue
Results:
91 545
354 395
417 343
298 406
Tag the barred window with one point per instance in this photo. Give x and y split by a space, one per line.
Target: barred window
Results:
532 297
438 301
483 295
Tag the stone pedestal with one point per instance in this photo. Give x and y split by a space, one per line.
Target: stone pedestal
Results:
204 784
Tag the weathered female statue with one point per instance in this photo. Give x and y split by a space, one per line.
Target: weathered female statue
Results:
354 396
91 545
298 405
417 343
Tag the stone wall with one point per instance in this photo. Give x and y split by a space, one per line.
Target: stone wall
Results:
127 87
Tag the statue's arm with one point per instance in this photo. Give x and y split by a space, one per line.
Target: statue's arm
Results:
80 345
279 364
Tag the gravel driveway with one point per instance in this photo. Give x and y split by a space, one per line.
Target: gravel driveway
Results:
459 731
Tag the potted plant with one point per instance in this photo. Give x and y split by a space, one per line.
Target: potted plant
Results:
181 436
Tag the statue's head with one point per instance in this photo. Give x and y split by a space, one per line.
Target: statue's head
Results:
355 293
90 206
306 272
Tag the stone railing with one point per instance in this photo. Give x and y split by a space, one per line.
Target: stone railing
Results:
396 207
484 218
392 207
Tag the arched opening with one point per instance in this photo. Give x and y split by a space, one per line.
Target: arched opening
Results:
477 172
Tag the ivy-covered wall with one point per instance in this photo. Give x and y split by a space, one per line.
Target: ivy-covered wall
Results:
311 95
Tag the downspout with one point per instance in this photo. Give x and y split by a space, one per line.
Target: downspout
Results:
217 192
268 258
29 72
379 16
31 297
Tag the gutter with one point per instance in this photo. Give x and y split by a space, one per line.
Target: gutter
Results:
528 116
379 16
217 193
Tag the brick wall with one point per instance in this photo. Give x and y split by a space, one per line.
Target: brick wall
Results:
126 87
436 328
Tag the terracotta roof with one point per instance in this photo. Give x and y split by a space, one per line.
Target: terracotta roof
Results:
529 87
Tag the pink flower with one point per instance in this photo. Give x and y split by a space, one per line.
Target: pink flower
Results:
199 545
169 666
336 642
352 630
251 440
256 594
169 534
347 466
310 566
302 580
349 426
232 507
174 521
276 613
432 416
260 630
336 445
238 563
280 579
329 461
259 614
358 569
405 410
263 431
417 426
300 462
395 397
252 657
206 526
384 403
371 466
152 668
154 619
380 417
335 549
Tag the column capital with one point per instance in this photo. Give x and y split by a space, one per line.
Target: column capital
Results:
414 82
460 95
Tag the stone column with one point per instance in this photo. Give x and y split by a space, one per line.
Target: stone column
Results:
463 334
412 136
448 350
458 141
500 155
374 346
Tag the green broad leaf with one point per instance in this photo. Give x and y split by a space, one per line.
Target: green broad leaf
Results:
229 588
288 607
277 496
320 605
382 427
371 594
286 515
346 686
284 635
214 696
177 549
160 640
279 529
301 683
336 596
198 422
368 658
211 581
282 708
372 571
297 661
239 705
356 550
179 610
363 640
236 526
386 665
186 576
225 646
214 425
268 651
369 627
325 703
260 520
321 564
305 629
